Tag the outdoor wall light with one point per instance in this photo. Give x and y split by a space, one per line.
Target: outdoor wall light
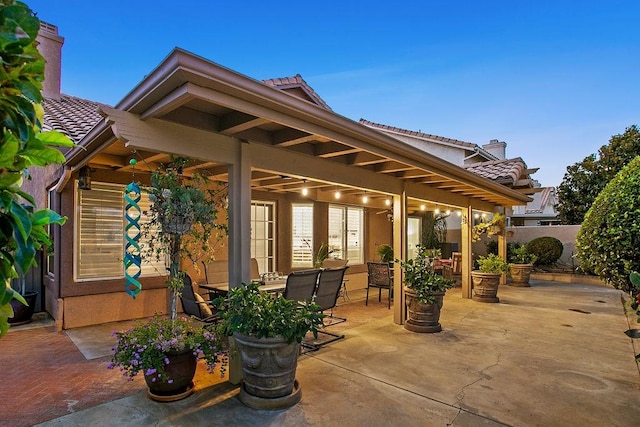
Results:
84 178
305 190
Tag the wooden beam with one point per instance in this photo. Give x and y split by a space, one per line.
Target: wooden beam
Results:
162 137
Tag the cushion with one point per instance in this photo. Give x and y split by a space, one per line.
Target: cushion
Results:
204 307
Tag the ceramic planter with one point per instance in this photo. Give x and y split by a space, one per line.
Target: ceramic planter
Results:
485 286
520 274
423 317
22 313
268 372
180 370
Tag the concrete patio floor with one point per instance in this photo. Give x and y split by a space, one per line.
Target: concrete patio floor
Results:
554 354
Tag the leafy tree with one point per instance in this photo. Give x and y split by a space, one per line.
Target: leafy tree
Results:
22 145
609 237
584 180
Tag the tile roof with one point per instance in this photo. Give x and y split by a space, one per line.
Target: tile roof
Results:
506 172
418 134
297 82
541 200
72 116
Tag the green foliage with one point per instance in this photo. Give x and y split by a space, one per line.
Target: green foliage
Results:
584 180
420 276
385 252
23 228
492 264
322 254
547 250
634 278
145 346
250 311
192 202
494 226
609 237
520 255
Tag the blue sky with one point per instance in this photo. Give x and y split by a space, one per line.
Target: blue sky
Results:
553 79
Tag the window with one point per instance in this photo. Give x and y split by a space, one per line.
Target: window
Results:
414 232
263 242
302 235
346 231
100 222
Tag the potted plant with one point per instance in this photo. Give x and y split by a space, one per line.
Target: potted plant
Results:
424 290
521 266
493 227
182 220
385 252
323 253
268 331
22 313
166 351
487 278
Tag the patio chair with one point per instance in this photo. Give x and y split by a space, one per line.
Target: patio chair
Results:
194 305
379 276
327 292
301 285
330 284
338 263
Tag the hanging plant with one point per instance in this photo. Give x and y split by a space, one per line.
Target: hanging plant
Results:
494 227
183 219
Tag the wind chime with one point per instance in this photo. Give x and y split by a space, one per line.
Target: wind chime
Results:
132 257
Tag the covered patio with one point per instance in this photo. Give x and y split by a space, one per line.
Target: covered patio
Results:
282 147
554 354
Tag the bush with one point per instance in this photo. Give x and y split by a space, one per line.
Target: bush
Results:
547 250
609 237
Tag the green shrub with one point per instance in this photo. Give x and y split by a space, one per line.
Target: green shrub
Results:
547 250
609 237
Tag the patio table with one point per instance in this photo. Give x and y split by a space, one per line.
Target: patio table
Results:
275 285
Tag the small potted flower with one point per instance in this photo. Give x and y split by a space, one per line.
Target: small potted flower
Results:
521 266
424 289
487 278
166 352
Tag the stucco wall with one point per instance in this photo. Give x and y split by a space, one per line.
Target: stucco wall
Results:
565 233
104 308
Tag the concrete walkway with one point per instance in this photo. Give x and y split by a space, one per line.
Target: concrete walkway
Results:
550 355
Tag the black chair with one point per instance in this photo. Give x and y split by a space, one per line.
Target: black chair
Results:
194 305
301 285
379 276
327 292
329 286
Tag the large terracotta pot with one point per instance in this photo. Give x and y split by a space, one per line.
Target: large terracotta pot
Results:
520 274
180 370
485 286
268 372
22 313
423 317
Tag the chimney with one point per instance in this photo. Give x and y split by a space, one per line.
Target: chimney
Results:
497 148
50 46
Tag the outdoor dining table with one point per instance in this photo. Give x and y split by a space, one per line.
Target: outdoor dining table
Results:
272 285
